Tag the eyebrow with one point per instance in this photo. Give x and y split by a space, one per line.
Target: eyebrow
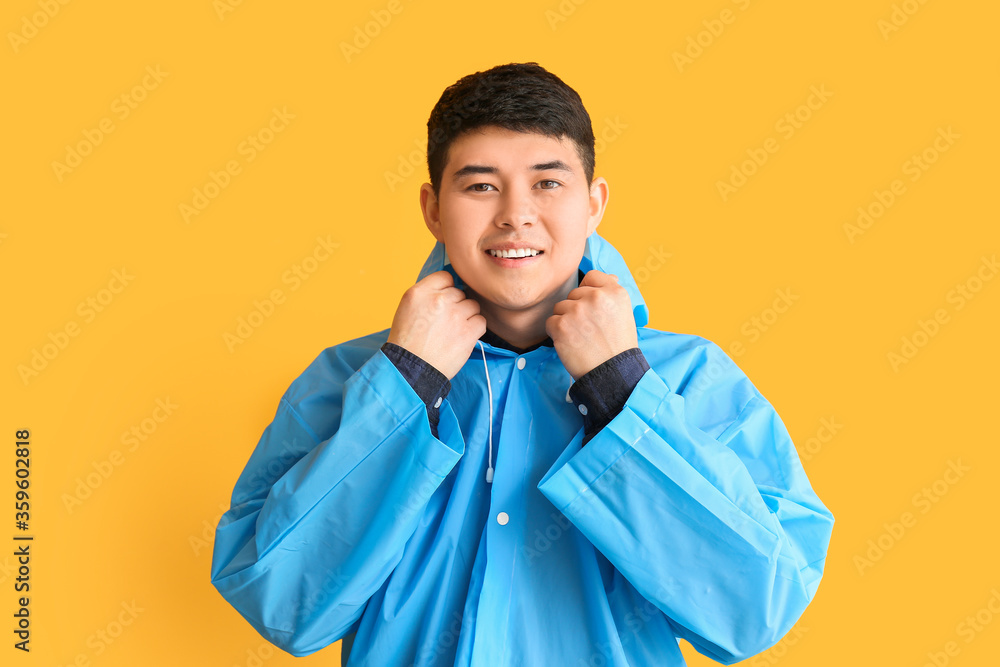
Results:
471 169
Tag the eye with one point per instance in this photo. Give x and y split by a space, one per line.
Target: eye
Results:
475 187
549 184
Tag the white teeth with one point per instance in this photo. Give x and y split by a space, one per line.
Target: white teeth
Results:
520 252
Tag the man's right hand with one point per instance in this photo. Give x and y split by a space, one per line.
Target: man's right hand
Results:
438 323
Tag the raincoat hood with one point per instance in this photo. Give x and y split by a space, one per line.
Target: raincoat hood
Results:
597 254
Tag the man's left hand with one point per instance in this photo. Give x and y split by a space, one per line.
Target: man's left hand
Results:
593 324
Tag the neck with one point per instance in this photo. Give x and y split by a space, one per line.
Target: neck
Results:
525 327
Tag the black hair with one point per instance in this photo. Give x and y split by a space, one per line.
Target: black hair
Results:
523 97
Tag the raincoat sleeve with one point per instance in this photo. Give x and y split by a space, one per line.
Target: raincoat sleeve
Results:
322 511
723 534
600 394
431 385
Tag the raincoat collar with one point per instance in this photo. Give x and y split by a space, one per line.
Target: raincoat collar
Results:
598 254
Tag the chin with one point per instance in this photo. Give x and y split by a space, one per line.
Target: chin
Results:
519 300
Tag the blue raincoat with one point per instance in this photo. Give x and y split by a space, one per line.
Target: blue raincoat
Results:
687 516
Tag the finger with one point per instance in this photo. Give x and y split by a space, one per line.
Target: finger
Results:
594 278
454 294
469 307
479 324
562 307
550 324
579 292
438 280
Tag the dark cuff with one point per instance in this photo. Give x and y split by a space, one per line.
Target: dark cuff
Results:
601 393
429 383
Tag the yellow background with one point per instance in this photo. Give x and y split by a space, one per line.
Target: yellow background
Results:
143 536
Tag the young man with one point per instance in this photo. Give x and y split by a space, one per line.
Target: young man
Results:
519 471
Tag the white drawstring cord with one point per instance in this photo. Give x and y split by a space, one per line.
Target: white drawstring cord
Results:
489 471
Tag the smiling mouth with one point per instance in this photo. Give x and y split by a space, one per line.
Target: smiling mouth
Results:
520 253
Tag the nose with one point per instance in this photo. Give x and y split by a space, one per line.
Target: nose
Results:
516 209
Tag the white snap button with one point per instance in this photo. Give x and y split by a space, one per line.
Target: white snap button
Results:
520 363
583 409
437 403
502 518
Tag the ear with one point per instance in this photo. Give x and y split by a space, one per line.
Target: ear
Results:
598 202
431 210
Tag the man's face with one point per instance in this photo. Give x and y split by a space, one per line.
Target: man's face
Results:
503 189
